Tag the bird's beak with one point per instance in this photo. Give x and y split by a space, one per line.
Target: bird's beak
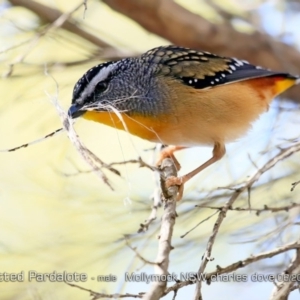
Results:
75 111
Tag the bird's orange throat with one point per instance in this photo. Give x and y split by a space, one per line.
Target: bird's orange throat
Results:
144 127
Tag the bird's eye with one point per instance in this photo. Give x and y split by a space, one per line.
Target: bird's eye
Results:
101 86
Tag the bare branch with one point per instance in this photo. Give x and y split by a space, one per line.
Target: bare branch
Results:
237 265
141 257
139 161
207 255
59 22
257 210
252 259
85 153
167 224
283 154
283 289
294 184
104 165
201 222
152 217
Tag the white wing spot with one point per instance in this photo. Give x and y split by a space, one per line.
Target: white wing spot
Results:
238 62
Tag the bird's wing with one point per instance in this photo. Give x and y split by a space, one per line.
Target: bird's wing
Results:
203 70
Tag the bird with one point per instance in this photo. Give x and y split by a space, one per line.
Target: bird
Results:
179 97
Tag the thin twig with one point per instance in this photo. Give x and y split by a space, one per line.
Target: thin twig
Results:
59 21
141 257
257 210
253 258
110 167
201 222
97 295
85 153
50 15
152 217
139 161
294 184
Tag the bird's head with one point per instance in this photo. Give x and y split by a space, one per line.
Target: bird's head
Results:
111 85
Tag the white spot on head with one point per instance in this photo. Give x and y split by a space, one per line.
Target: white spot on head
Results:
212 82
190 81
102 75
196 80
217 79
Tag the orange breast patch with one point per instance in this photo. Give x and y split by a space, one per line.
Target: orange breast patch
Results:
145 127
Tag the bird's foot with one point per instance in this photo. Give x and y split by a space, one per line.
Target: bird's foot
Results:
165 153
171 181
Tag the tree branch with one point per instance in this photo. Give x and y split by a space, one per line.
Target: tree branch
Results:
258 211
283 289
283 154
167 224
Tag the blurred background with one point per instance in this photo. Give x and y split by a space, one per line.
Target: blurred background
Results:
56 215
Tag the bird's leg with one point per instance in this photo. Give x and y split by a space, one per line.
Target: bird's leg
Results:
169 152
218 153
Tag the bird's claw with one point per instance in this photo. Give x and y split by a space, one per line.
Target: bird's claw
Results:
178 181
